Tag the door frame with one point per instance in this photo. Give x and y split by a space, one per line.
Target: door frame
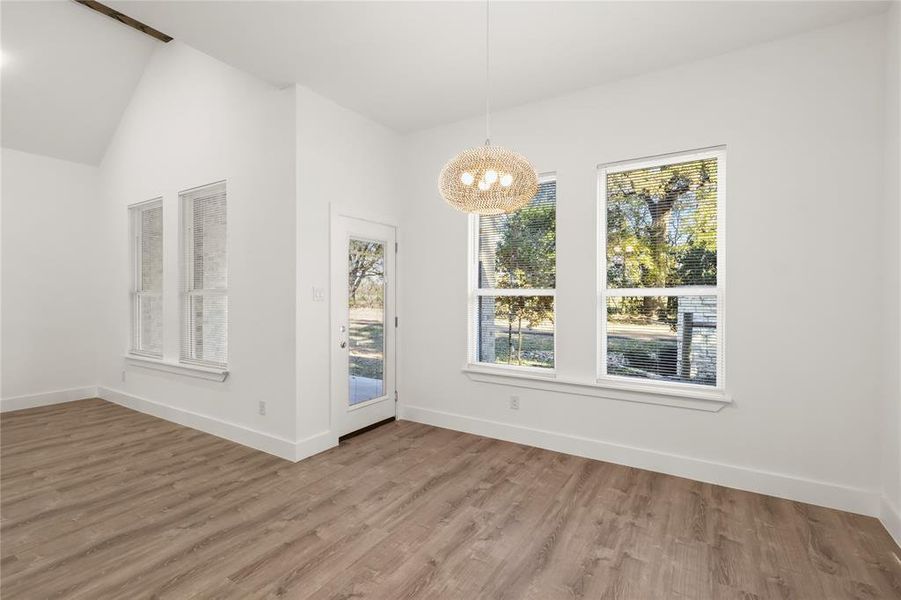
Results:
337 212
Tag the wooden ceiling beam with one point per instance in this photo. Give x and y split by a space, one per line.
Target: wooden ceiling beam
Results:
126 20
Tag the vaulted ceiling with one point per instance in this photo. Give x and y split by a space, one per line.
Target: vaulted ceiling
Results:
68 72
412 65
67 75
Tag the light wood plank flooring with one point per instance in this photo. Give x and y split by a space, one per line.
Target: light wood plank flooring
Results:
102 502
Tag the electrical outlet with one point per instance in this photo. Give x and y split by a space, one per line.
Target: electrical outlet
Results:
318 294
514 402
262 408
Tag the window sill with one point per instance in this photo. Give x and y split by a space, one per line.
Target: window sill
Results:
681 397
158 364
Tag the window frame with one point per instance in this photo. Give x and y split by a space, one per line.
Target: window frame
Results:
475 293
186 269
719 291
136 233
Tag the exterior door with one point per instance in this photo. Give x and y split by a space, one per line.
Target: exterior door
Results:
363 323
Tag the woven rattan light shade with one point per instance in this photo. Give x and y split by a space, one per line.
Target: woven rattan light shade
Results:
488 180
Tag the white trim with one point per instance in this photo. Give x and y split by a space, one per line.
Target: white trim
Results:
515 292
188 370
337 210
367 403
472 284
660 159
673 291
258 440
47 398
314 444
800 489
135 213
542 373
692 397
719 291
890 516
474 292
345 418
187 290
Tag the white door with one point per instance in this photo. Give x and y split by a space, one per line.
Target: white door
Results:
363 323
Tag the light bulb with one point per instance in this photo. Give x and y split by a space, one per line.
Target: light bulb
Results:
467 178
506 180
484 185
490 176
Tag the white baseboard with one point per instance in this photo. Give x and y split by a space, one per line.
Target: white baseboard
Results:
314 444
266 442
820 493
47 398
891 519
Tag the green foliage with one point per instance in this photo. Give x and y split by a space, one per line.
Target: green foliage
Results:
698 265
365 273
661 226
526 257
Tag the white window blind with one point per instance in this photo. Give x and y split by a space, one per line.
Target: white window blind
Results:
204 338
513 284
661 293
147 277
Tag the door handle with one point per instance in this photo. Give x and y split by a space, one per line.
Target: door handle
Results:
343 344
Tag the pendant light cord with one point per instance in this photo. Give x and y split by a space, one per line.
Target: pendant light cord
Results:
487 74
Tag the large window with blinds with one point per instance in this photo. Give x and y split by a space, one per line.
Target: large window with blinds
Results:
661 280
512 284
147 278
204 336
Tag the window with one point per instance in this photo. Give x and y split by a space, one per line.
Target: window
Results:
514 266
147 278
204 338
661 283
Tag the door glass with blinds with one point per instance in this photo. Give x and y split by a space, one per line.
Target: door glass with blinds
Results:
661 293
205 276
514 275
147 275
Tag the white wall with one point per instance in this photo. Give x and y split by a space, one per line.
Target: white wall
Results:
811 175
194 120
49 276
802 119
891 433
348 161
288 156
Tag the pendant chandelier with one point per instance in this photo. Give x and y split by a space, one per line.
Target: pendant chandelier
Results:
489 179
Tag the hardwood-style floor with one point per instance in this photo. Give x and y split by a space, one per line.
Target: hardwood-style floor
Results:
98 501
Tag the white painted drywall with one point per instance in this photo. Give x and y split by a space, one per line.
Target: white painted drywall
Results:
802 119
807 132
49 274
891 432
345 160
194 120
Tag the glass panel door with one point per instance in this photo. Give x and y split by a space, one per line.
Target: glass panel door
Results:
366 323
364 327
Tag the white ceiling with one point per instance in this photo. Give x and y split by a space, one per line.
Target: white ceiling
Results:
69 72
411 65
67 76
